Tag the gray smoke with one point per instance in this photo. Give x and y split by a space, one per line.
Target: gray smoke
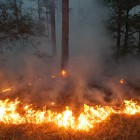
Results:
93 73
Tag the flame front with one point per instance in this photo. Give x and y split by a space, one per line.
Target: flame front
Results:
87 119
8 112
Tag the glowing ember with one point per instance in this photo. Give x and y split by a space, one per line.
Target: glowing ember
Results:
87 119
6 90
29 84
53 76
122 81
64 73
53 103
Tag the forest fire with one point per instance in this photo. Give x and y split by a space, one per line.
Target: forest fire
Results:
87 119
69 70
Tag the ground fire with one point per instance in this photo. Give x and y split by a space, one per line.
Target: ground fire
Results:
16 112
69 70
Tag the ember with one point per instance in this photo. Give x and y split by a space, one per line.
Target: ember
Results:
53 76
64 73
6 90
122 81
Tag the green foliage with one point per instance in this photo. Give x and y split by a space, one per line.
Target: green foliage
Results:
14 23
122 15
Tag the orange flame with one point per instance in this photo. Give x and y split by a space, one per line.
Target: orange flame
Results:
64 73
87 119
122 81
6 90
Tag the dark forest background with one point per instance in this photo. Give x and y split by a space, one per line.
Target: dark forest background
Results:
18 23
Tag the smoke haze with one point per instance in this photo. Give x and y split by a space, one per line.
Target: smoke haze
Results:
94 75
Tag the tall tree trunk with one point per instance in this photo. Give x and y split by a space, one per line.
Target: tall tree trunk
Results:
139 43
126 31
39 12
65 34
47 20
20 8
16 16
53 28
16 11
119 30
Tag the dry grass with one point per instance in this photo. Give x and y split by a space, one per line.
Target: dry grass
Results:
116 127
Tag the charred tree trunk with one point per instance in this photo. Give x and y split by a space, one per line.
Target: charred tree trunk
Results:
119 30
139 43
65 34
126 32
47 20
39 10
53 28
16 13
20 9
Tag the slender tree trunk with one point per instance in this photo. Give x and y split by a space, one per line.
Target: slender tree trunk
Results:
139 42
16 11
16 16
126 32
39 14
65 34
20 9
53 28
119 30
47 18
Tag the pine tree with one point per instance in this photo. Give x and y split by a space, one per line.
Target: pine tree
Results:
124 24
65 34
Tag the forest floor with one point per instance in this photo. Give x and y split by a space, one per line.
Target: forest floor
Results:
115 127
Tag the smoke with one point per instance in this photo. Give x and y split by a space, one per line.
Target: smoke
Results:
94 76
95 72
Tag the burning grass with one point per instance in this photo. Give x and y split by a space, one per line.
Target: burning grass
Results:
20 121
115 127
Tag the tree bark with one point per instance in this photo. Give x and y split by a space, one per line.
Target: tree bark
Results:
53 28
126 32
16 11
39 14
17 17
139 43
65 34
119 30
